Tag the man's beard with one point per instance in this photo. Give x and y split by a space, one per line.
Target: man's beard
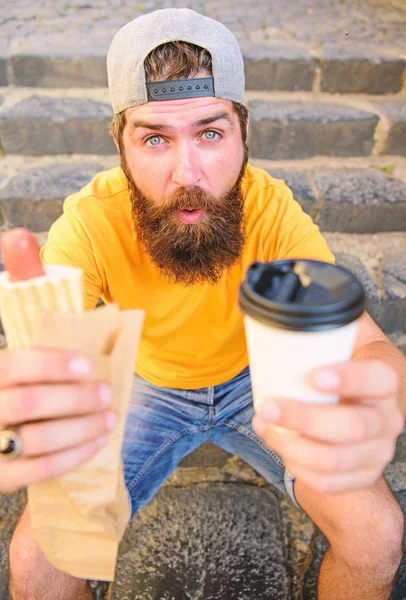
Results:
197 253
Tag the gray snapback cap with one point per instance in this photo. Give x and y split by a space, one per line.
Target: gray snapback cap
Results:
133 42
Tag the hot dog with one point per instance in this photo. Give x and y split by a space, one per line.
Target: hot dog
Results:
20 253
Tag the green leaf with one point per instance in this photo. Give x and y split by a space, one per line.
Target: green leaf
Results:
387 169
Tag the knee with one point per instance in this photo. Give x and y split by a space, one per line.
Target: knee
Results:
391 533
387 531
376 542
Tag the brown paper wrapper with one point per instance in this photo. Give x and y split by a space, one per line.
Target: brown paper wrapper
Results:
79 518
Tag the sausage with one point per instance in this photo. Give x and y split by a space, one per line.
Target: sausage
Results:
20 252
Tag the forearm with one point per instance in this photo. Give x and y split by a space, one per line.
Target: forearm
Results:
388 353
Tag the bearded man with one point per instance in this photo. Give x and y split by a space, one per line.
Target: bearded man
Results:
173 231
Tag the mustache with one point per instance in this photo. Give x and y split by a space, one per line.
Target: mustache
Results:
186 199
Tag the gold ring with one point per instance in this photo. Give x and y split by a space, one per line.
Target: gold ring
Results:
10 443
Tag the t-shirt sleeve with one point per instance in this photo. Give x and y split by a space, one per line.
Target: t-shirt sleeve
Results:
294 234
69 244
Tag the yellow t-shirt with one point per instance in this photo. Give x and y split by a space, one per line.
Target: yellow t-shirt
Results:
193 336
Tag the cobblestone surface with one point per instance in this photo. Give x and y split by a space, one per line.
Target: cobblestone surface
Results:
356 45
314 23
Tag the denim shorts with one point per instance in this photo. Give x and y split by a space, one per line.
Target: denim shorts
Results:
165 424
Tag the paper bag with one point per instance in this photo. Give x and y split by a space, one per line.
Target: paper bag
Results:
79 518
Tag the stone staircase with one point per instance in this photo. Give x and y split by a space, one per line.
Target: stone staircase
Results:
326 88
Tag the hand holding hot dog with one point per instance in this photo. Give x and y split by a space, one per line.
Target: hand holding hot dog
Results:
62 420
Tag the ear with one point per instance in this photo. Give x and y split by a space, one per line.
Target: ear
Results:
113 135
116 143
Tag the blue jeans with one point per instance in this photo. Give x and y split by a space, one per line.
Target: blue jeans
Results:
164 425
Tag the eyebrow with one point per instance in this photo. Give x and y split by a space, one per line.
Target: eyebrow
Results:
201 123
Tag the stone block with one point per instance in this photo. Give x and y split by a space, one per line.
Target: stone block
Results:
41 125
3 72
361 201
70 66
278 68
207 455
394 283
11 506
34 198
282 130
396 111
4 49
301 188
358 70
205 541
394 276
373 295
398 338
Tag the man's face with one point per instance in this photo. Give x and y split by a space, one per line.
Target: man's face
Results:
184 161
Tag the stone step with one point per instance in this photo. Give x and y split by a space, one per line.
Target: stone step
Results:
293 126
284 66
283 126
352 200
379 262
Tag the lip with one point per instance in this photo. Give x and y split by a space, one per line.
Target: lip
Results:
191 217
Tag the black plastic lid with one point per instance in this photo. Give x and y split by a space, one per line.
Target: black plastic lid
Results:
301 295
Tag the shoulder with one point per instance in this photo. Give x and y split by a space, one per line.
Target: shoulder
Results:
261 189
106 190
259 184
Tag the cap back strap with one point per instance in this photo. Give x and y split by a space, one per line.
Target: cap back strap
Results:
180 88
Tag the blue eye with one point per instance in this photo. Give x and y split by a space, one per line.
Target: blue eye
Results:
211 135
154 140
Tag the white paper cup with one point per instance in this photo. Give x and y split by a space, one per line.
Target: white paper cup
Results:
287 339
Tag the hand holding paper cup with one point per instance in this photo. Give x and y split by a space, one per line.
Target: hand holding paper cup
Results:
298 315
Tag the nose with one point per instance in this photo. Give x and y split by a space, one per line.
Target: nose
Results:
186 169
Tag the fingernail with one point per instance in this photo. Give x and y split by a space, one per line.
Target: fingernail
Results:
269 411
111 420
327 380
105 394
79 365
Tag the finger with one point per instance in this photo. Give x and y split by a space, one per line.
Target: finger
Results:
18 473
53 436
32 403
41 366
336 484
331 458
339 423
361 378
